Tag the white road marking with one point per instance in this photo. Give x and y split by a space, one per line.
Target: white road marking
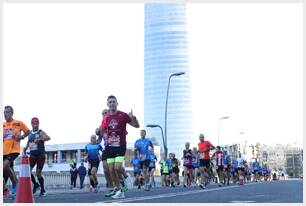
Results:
174 194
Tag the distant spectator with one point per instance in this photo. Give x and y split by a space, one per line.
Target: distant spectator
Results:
73 175
82 174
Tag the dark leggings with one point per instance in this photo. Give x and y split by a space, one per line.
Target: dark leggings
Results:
73 181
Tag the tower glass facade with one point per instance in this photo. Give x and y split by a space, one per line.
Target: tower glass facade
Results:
165 53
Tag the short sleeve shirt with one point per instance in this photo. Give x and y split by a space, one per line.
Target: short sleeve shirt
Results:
203 148
93 151
10 132
143 148
115 126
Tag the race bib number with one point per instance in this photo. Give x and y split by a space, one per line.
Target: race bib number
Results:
187 162
114 140
142 156
33 146
201 155
8 134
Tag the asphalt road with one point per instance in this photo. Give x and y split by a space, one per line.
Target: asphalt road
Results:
290 191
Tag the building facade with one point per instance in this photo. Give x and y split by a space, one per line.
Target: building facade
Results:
165 53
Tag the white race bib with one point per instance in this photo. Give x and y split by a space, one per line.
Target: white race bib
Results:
33 146
114 140
142 156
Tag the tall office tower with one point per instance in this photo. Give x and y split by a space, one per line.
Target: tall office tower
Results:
165 53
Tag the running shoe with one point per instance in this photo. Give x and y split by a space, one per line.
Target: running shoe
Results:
147 188
110 193
6 193
14 189
202 186
43 193
124 188
35 187
118 195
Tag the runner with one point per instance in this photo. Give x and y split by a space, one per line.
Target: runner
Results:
114 125
36 143
264 172
203 148
175 163
195 165
187 158
137 171
11 147
93 157
219 156
142 147
260 175
152 166
241 172
165 164
109 183
227 167
255 167
235 171
248 172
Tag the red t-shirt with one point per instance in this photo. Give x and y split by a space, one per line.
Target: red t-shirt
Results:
115 126
203 148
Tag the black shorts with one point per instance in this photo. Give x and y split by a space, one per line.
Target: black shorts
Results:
144 164
220 168
204 163
240 169
38 160
104 155
188 166
137 173
93 163
176 170
11 157
112 152
151 168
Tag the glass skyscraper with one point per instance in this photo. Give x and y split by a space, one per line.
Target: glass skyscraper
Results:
165 53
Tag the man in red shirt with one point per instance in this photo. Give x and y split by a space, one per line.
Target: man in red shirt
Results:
114 126
203 148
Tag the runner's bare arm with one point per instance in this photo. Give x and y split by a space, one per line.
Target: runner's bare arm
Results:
134 122
26 147
45 137
20 137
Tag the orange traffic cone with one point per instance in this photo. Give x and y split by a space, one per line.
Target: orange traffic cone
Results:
24 187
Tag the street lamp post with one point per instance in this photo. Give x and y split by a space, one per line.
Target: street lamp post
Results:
220 127
166 107
161 129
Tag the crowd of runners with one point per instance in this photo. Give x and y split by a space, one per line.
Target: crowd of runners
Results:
200 165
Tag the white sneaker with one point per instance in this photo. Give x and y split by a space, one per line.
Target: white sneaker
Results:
118 195
128 181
